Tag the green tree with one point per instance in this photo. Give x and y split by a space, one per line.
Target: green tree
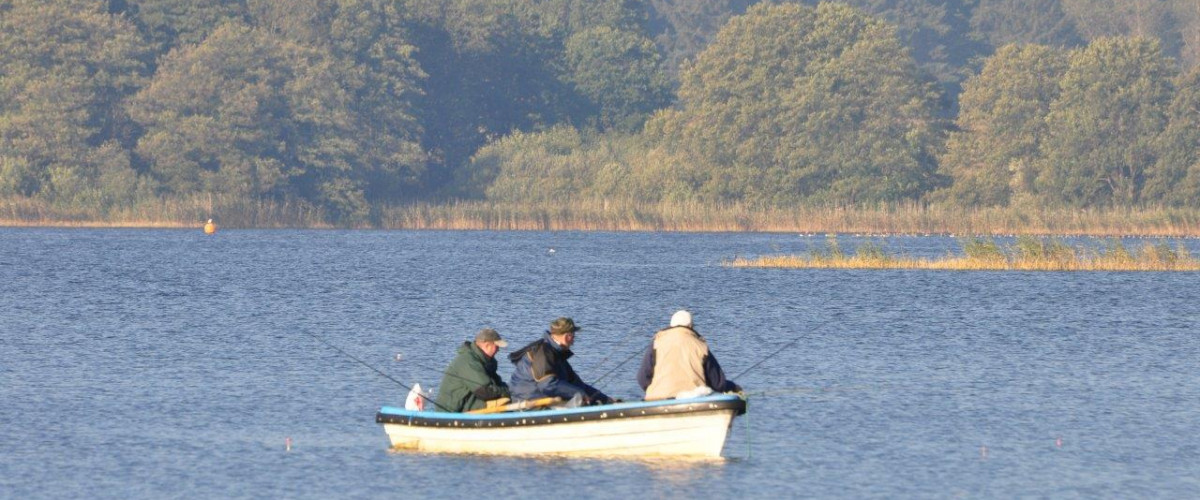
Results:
365 45
1187 15
173 23
65 70
532 167
1000 126
306 22
1107 18
1158 19
217 118
1003 22
1101 130
500 66
620 72
1175 177
937 32
17 177
792 103
252 113
564 163
683 28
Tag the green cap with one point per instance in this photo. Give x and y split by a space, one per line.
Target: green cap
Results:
490 335
563 325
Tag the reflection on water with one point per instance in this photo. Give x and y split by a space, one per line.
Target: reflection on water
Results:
678 472
143 364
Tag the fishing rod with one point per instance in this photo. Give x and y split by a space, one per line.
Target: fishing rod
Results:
781 391
400 358
622 363
755 365
620 343
376 370
642 350
769 356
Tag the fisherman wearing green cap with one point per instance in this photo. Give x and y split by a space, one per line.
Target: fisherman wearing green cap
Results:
471 381
542 369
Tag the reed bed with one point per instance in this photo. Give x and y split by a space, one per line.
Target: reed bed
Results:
887 219
189 212
984 254
600 215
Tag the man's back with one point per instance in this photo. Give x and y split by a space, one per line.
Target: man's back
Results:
469 370
679 362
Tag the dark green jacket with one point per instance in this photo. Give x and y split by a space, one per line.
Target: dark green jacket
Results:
470 381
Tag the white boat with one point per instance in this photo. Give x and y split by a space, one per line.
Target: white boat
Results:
693 427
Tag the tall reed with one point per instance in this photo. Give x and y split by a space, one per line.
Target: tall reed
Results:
227 211
1027 253
907 218
588 214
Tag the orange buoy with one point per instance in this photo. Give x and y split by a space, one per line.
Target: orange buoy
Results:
209 227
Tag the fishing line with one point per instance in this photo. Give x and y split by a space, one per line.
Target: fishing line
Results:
364 363
769 356
746 425
620 344
783 391
400 358
622 363
786 391
738 376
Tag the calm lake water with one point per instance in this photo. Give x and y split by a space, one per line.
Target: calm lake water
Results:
164 363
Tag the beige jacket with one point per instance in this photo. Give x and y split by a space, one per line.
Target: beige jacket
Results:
678 362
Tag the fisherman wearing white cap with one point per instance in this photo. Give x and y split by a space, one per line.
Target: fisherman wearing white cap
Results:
679 364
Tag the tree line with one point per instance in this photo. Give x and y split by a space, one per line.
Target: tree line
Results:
350 105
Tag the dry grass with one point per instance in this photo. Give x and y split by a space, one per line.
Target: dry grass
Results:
587 215
892 219
165 213
963 264
1027 254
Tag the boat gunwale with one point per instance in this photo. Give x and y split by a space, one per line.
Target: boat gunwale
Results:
637 409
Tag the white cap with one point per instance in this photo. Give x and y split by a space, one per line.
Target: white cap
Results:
682 318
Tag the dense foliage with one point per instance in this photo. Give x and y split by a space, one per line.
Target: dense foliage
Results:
793 104
1001 126
351 105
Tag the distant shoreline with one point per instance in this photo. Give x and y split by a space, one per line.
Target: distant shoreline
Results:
902 219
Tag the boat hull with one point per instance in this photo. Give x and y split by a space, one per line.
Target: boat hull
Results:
696 428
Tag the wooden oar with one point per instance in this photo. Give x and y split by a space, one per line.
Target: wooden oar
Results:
520 405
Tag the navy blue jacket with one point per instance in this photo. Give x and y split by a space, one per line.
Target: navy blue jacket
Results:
542 371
